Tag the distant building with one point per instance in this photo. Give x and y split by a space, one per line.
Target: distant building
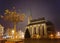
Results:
40 27
1 30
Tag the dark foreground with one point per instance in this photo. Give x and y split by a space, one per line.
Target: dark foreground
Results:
33 41
42 41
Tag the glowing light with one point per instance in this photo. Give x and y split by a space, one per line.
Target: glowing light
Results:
38 36
7 11
21 35
12 31
16 36
51 36
57 35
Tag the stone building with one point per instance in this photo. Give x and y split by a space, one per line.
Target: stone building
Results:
39 28
1 30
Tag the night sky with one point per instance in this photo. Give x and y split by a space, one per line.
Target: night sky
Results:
50 9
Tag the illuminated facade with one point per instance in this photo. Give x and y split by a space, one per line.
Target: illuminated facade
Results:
1 30
38 28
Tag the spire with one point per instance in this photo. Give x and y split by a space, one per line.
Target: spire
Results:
30 16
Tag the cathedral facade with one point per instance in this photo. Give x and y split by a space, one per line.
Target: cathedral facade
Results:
38 28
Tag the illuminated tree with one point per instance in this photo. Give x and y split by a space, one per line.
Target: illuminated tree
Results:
13 16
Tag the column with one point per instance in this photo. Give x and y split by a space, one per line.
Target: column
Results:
45 30
32 30
36 29
41 32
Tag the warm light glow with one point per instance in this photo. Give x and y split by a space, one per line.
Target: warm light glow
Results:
38 36
12 31
57 35
1 30
21 35
16 36
51 36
